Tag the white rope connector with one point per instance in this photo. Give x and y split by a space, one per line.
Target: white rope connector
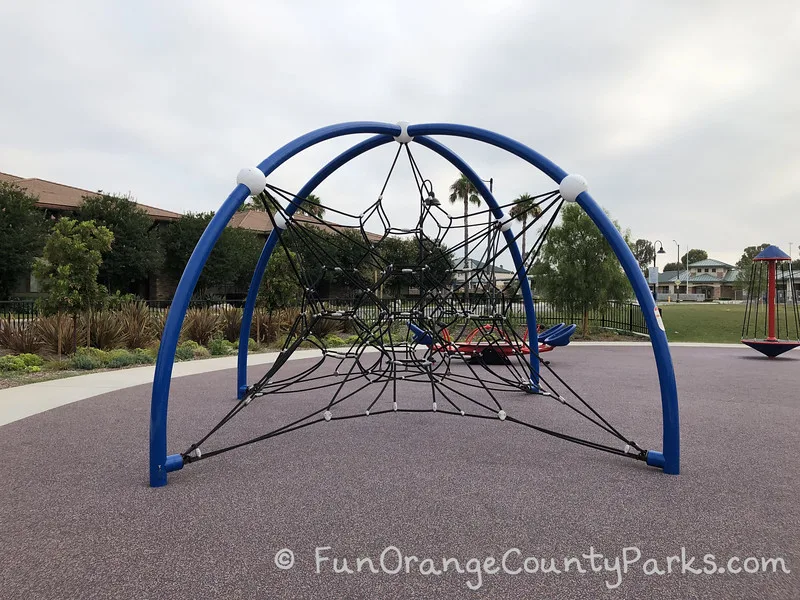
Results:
505 222
253 179
367 412
394 404
327 414
280 221
403 138
572 186
196 453
434 407
501 415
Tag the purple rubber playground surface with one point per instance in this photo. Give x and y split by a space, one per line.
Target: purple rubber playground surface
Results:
78 520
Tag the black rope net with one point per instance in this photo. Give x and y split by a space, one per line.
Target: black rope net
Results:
456 346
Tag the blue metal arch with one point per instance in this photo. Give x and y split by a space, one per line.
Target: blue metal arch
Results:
160 464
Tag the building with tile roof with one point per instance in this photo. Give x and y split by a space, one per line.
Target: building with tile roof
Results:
708 279
60 198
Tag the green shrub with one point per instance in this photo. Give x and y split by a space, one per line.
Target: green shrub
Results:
201 353
146 355
120 358
332 341
252 345
185 351
85 362
57 365
31 360
220 347
10 364
351 340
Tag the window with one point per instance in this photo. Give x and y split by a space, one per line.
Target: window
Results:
706 270
713 270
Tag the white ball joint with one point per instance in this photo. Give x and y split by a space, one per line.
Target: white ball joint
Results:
280 221
505 222
327 414
572 186
253 179
501 415
403 138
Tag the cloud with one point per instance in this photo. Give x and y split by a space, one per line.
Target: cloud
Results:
682 116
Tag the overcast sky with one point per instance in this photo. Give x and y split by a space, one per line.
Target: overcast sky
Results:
683 116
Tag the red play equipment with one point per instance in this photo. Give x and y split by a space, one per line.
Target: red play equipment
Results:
492 337
778 329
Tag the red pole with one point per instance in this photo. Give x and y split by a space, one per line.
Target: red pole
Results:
771 300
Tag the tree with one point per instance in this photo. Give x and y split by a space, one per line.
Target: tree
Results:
673 266
693 256
577 269
23 228
231 262
136 252
644 252
280 286
68 268
312 206
745 264
462 190
524 207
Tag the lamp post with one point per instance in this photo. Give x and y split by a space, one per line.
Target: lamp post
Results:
678 287
655 266
490 181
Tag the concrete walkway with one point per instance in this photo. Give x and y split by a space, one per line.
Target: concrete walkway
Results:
26 400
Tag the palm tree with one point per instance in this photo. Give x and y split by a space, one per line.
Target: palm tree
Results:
463 190
524 207
312 206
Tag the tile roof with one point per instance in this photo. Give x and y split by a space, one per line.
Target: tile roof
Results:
710 262
57 196
258 220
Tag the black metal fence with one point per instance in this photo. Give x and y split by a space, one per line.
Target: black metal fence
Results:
622 316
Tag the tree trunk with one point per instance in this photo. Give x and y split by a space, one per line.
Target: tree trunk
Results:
524 237
74 332
466 250
585 322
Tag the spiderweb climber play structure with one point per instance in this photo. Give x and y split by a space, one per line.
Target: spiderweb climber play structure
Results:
777 328
457 346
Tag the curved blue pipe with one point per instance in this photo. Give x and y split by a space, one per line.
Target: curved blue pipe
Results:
169 338
272 240
669 459
658 337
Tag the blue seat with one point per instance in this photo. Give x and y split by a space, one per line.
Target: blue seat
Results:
561 337
551 331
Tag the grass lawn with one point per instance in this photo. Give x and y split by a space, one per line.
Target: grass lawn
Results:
700 322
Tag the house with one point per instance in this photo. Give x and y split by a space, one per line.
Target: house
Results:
707 280
57 200
480 276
